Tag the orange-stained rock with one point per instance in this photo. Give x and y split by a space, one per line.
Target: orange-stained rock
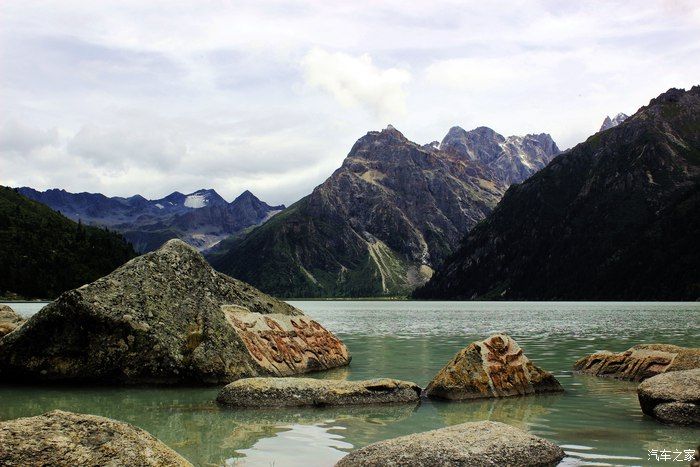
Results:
640 362
495 367
287 345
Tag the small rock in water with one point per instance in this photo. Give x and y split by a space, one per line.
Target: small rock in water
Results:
167 317
640 362
66 439
495 367
290 392
672 398
469 444
9 320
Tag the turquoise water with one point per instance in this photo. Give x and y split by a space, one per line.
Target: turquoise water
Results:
597 421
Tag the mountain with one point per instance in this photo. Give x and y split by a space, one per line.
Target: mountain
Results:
511 160
615 218
613 122
43 253
377 226
202 218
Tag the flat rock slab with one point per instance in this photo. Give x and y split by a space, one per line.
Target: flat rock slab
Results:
9 320
469 444
639 362
672 398
68 439
495 367
167 317
290 392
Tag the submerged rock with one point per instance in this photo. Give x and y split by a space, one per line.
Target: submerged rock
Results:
672 398
167 317
68 439
495 367
288 392
639 362
9 320
476 443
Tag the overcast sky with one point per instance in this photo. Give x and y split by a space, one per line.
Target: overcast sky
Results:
145 97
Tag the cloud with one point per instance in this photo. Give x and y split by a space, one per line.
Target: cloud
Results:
356 81
119 148
17 137
127 96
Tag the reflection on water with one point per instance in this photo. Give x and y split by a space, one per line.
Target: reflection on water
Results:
597 421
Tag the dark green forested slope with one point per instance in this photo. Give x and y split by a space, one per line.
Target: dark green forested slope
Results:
615 218
43 253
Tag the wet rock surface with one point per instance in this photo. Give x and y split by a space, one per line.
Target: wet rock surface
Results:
60 438
672 398
639 362
290 392
469 444
167 317
495 367
9 320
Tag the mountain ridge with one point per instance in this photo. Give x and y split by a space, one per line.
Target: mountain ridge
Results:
202 218
378 225
614 218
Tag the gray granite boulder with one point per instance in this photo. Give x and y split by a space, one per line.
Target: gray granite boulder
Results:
672 398
9 320
290 392
68 439
469 444
167 317
494 367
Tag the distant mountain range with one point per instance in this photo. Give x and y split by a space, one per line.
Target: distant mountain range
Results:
202 218
387 217
616 217
43 253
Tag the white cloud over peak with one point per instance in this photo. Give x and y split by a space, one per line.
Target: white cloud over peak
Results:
357 81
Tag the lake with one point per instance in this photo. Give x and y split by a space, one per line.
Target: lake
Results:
597 421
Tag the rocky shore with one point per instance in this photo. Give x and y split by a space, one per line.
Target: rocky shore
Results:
469 444
639 362
168 318
9 320
495 367
672 398
66 439
291 392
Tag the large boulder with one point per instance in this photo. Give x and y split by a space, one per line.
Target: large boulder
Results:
9 320
495 367
639 362
68 439
289 392
167 317
469 444
673 397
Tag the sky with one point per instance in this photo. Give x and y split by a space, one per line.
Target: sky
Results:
123 97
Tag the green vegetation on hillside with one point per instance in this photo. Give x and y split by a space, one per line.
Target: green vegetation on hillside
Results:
43 253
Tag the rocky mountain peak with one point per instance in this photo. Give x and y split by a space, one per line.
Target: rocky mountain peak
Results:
613 122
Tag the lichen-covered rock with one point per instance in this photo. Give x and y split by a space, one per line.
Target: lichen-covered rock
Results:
9 320
68 439
289 392
167 317
469 444
673 397
495 367
640 362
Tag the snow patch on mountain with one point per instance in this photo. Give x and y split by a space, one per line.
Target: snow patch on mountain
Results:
195 201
